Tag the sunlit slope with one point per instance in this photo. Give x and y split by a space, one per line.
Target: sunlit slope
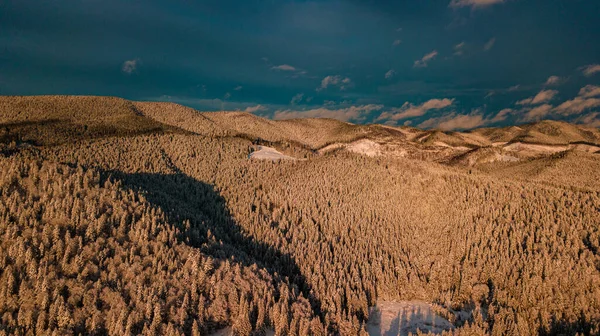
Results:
47 120
544 132
188 227
569 168
361 230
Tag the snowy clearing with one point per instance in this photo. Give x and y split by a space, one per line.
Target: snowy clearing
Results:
268 153
458 148
402 318
365 147
519 146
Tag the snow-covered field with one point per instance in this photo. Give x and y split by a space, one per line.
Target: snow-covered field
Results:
268 153
520 147
365 147
402 318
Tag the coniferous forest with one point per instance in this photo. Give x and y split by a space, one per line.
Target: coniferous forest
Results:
123 218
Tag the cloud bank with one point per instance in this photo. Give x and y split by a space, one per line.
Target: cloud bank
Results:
352 113
409 110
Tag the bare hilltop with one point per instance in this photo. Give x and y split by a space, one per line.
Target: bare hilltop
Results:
126 218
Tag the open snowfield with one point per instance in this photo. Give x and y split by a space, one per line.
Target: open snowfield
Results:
365 147
268 153
402 318
521 147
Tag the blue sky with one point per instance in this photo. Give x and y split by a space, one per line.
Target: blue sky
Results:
452 64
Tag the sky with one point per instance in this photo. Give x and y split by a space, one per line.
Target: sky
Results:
448 64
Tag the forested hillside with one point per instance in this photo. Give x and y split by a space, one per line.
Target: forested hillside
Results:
175 231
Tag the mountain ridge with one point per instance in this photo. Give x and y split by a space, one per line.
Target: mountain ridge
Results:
245 123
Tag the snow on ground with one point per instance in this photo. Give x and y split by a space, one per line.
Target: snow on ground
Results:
331 147
519 146
506 158
268 153
365 147
402 318
458 148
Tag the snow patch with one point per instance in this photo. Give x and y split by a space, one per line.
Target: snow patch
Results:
268 153
519 146
506 158
365 147
402 318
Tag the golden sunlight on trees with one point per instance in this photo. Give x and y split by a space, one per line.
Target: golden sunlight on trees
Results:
178 233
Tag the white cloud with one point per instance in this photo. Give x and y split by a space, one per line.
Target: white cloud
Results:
590 120
474 3
284 67
542 97
490 44
455 121
130 66
297 99
352 113
591 69
502 115
342 82
538 112
227 96
459 49
589 91
254 109
553 80
462 122
390 74
397 43
409 110
422 63
584 101
238 88
577 105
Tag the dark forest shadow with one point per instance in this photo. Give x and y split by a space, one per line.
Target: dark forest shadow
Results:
205 222
559 327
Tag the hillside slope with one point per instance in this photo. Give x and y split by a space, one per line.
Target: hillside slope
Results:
50 120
